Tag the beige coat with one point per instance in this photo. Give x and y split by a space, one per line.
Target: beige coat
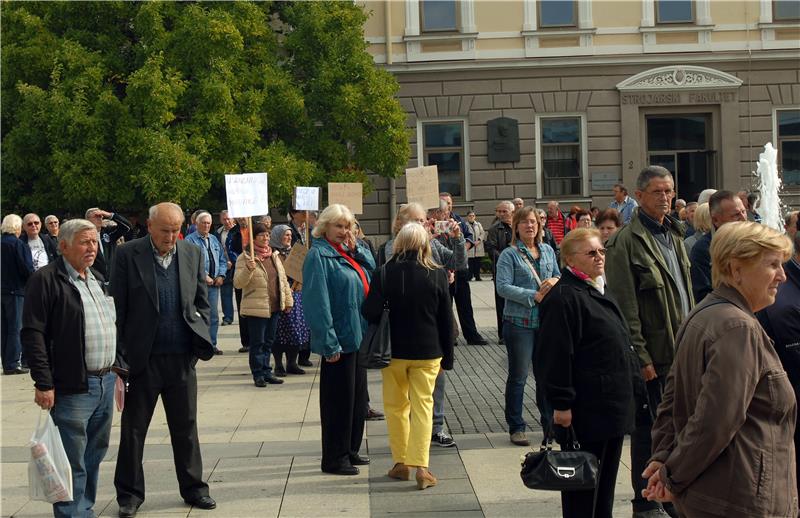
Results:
725 427
255 297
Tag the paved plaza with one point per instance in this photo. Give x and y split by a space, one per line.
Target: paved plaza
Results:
261 447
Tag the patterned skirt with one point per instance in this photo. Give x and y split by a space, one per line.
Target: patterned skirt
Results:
292 328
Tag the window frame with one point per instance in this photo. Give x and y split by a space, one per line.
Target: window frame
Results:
456 27
778 140
692 21
775 18
583 156
542 25
422 151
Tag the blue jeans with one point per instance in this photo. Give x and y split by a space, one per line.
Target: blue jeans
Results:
226 295
262 335
84 423
12 324
438 402
213 301
520 347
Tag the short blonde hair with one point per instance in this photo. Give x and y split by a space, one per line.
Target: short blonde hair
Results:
333 214
415 239
11 224
522 214
404 215
746 241
702 218
569 246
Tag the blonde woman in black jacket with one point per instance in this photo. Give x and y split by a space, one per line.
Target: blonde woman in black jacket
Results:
420 318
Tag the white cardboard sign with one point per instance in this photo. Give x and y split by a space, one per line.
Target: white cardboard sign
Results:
422 186
306 198
349 194
247 194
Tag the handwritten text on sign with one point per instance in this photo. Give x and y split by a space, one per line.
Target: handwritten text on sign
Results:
247 194
306 198
422 186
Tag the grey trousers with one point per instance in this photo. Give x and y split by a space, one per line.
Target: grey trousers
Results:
438 403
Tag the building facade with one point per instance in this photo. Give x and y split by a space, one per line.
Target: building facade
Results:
562 99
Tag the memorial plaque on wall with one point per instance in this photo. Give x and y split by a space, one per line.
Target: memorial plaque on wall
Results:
604 181
503 134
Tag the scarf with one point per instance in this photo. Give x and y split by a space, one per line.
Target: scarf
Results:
353 263
276 239
262 252
599 283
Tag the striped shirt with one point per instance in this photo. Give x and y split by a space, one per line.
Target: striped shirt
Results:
99 329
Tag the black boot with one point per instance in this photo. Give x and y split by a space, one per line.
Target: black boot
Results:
291 363
305 354
278 370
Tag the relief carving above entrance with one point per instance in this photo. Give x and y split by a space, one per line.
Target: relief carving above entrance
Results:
679 77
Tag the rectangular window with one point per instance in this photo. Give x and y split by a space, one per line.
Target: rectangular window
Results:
674 11
443 146
561 156
558 13
785 10
438 15
789 146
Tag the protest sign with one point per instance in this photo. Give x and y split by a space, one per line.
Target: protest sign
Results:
348 194
247 194
306 198
293 265
422 186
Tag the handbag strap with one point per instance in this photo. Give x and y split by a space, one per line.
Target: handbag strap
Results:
383 287
549 437
530 265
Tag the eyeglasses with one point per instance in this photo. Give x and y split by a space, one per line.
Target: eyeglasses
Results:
33 223
601 252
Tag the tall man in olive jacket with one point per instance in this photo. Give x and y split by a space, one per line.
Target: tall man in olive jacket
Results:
159 288
649 275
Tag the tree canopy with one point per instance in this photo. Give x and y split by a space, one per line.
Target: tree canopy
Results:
122 104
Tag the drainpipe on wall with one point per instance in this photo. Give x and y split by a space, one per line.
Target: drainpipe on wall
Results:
387 19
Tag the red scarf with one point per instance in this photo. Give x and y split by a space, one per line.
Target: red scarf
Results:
353 263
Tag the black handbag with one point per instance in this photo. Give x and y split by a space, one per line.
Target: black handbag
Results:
566 470
376 345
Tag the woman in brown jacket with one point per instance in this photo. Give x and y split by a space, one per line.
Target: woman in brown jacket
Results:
722 441
265 292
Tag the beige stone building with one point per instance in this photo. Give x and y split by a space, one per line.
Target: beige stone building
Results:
554 99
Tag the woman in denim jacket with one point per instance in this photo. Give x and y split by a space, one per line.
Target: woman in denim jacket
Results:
526 271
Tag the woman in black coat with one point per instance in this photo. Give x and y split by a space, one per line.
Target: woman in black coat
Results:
587 367
420 319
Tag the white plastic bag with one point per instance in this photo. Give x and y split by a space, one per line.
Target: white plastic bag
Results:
49 472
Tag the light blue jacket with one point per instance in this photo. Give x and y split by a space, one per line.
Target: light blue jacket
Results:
516 284
332 298
220 259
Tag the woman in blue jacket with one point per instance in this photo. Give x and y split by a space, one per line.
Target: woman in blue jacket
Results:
336 276
526 271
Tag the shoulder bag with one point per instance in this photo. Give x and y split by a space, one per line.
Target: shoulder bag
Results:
376 347
566 470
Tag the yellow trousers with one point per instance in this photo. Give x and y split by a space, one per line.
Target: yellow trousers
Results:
408 404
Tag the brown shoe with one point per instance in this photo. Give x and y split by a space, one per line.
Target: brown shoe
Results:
520 439
400 471
425 479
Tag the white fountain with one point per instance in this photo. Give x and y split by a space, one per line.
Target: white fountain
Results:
769 185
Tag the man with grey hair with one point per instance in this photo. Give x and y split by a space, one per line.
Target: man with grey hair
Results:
111 226
647 272
17 267
43 250
159 287
518 203
70 342
724 207
51 223
216 265
498 238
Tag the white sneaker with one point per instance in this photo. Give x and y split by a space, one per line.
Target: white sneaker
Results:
442 439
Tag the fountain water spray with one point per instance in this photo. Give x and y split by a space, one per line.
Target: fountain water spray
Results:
769 185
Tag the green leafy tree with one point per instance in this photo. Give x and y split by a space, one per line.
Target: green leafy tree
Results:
124 104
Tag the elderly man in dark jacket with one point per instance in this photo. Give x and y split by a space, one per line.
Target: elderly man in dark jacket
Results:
498 237
17 268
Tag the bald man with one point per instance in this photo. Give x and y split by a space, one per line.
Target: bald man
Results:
159 288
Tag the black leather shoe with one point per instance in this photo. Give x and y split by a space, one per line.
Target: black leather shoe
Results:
202 502
478 340
218 351
359 460
294 369
128 510
18 370
343 470
244 349
260 382
272 380
305 363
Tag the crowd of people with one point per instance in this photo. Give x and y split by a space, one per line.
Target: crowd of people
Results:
673 323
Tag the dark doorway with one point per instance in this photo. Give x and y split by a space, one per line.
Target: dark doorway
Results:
681 144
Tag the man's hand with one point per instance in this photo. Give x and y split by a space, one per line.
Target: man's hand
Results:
230 264
334 358
562 418
219 280
656 488
103 213
649 372
45 398
209 280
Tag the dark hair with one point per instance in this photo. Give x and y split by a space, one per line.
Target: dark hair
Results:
621 188
259 228
581 213
716 199
752 198
611 215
